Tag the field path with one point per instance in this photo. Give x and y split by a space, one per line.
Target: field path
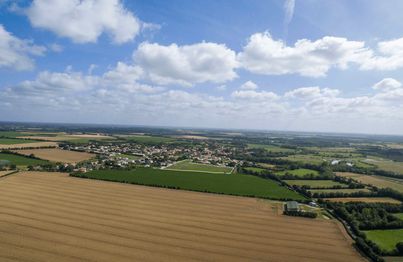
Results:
54 217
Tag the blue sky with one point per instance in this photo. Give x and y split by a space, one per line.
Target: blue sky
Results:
278 65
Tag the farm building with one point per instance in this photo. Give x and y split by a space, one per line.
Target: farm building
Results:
291 206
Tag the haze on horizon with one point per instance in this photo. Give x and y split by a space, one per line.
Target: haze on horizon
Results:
323 66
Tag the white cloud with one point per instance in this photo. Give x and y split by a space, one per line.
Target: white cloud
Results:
188 64
311 92
249 85
388 57
83 21
254 95
387 84
16 53
265 55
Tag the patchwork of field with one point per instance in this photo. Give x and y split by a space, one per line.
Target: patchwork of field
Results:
188 165
54 217
21 160
319 159
241 185
254 169
385 164
378 181
299 172
315 183
364 199
149 139
83 138
385 239
28 145
57 155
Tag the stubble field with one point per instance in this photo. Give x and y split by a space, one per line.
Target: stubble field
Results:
54 217
57 155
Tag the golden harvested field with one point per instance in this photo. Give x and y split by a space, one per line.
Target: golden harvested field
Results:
54 217
29 145
378 181
364 199
57 155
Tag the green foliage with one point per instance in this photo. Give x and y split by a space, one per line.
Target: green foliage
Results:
242 185
301 214
387 240
188 165
13 141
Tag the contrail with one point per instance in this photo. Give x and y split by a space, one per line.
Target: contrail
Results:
289 6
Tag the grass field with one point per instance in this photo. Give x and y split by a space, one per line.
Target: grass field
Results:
21 160
57 155
53 217
270 148
378 181
190 166
364 199
342 190
299 172
387 165
13 141
319 159
314 183
265 165
385 239
254 169
242 185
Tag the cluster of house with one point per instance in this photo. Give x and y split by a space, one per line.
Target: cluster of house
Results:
127 154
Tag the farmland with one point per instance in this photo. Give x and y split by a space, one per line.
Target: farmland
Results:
315 183
270 148
378 181
21 160
365 200
149 139
13 141
128 222
254 169
386 239
191 166
299 172
57 155
242 185
28 145
385 164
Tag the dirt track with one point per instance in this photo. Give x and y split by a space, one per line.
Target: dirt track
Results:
53 217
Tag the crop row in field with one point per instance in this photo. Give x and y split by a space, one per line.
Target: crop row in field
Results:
242 185
53 217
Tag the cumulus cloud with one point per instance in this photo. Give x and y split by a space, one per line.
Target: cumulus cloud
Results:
249 85
389 56
83 21
387 84
265 55
16 53
188 64
311 92
254 95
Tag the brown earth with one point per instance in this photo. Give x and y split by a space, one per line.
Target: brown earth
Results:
54 217
364 199
57 155
29 145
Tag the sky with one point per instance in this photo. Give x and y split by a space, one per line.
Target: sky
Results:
311 65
